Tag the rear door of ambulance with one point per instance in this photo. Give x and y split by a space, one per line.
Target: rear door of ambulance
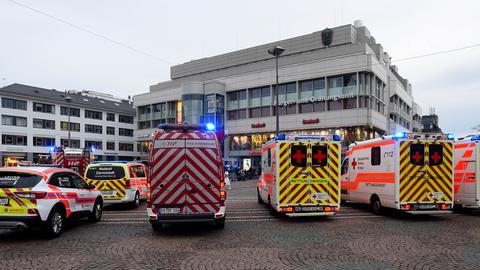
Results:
309 174
110 179
204 173
426 174
168 173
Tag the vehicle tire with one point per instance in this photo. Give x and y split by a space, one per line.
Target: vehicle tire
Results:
457 207
136 200
376 205
273 211
220 223
55 223
96 214
343 202
259 198
158 227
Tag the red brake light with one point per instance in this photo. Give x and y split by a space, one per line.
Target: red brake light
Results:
31 194
327 208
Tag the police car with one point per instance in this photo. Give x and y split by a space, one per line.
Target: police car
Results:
45 197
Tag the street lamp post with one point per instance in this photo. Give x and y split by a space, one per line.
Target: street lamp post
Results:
68 100
276 52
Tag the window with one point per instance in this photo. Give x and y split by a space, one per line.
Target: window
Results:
237 100
41 141
10 120
143 125
259 112
18 180
73 126
306 108
110 130
319 155
111 117
298 155
289 109
435 152
73 143
375 158
350 84
93 114
93 144
137 171
350 103
306 88
255 97
125 132
335 105
237 114
344 168
125 119
61 180
93 129
125 147
335 86
78 182
75 112
14 140
43 123
319 88
111 146
417 154
10 103
269 157
44 108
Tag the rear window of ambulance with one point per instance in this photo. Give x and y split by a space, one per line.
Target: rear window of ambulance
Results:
417 154
319 156
435 152
106 172
18 180
298 155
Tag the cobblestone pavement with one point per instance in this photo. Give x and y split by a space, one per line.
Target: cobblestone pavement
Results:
253 239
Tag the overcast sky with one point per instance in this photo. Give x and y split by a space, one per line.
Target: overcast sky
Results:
40 51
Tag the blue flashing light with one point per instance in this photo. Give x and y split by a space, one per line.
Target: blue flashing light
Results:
93 149
450 136
475 138
210 126
280 136
399 135
52 149
336 137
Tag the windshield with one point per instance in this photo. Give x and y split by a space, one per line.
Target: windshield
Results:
106 172
18 180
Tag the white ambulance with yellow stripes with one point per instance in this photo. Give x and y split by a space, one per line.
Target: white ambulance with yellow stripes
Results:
411 172
119 181
301 175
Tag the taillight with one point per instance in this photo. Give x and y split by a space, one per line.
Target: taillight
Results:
223 195
148 185
286 209
222 184
406 207
327 208
31 194
445 206
127 184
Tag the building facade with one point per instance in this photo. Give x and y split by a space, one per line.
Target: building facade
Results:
335 81
36 119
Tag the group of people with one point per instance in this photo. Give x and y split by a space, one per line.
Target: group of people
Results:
240 174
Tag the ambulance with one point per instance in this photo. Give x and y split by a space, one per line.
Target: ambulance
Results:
466 158
301 175
411 172
119 181
186 176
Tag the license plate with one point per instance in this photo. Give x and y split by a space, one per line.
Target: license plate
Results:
169 211
436 195
3 201
320 196
109 192
426 206
307 209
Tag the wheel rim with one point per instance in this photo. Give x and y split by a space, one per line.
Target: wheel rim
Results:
376 205
57 222
98 211
137 200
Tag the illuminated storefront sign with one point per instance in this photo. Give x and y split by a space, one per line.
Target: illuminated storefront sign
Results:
314 99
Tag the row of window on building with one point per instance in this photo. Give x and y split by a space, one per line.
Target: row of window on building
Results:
259 101
10 103
20 140
10 120
254 142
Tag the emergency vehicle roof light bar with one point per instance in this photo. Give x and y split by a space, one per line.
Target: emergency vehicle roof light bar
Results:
475 138
184 126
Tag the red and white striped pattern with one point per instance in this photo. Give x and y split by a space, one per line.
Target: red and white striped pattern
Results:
186 171
58 158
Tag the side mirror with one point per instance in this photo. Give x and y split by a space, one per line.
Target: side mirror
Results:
91 186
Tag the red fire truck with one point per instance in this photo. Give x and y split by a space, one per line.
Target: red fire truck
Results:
76 159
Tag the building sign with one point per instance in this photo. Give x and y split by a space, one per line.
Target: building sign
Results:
254 152
313 99
311 121
259 125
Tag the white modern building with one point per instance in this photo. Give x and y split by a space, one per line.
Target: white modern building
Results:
36 119
337 80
